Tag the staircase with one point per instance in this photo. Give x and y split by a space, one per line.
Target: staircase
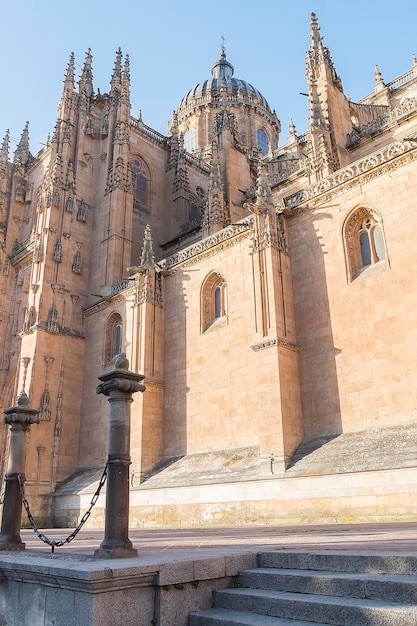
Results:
305 589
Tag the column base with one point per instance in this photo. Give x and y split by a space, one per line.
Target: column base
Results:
11 544
116 551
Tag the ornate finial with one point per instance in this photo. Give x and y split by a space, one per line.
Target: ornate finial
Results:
25 361
315 29
377 75
23 399
222 68
22 150
291 128
223 47
121 362
126 69
117 71
414 60
69 74
4 150
86 79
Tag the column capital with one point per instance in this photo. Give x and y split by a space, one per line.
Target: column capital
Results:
120 378
22 413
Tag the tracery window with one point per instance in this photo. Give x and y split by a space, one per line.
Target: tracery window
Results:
189 140
262 141
113 337
364 241
213 300
140 186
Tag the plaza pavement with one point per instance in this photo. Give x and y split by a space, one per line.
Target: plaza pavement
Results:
157 546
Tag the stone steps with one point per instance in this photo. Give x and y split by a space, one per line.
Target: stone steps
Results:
301 589
223 617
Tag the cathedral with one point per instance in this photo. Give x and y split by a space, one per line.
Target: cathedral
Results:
265 288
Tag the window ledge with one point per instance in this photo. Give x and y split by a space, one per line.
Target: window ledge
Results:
371 270
216 323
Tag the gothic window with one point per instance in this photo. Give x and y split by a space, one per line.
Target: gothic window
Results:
140 186
189 140
213 300
113 337
194 212
364 241
262 141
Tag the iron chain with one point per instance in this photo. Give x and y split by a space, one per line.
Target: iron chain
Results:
57 544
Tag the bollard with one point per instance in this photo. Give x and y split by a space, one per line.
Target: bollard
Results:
19 419
118 385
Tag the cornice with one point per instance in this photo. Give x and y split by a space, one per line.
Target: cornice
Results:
387 159
225 238
110 301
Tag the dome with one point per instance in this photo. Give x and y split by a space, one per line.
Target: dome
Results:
223 82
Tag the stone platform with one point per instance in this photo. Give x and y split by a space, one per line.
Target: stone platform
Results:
176 571
353 477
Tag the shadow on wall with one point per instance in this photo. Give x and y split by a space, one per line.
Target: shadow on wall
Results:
318 373
175 403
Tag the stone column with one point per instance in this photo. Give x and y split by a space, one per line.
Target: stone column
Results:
118 385
19 419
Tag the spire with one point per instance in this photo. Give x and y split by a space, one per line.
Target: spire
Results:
318 55
22 153
316 39
117 71
4 151
85 84
69 74
216 215
174 141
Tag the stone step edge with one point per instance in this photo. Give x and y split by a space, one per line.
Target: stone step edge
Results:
316 599
381 563
240 618
310 573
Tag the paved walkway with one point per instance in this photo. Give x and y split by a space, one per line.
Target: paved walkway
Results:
167 545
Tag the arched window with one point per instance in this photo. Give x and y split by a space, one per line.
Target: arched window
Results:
140 186
364 241
213 300
189 140
113 337
262 141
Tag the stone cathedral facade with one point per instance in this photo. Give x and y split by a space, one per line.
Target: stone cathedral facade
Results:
266 290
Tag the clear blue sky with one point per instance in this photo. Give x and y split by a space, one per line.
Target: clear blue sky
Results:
173 44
